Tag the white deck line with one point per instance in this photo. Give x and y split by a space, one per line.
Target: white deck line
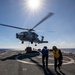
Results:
66 62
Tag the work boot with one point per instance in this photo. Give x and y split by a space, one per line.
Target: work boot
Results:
59 68
55 70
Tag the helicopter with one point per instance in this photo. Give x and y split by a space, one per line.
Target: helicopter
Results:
29 34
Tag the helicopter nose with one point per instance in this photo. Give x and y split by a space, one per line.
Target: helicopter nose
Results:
16 35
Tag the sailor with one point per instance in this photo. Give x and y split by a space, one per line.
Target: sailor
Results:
45 57
57 58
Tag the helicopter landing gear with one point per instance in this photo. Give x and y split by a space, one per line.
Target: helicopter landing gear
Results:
22 42
35 44
31 42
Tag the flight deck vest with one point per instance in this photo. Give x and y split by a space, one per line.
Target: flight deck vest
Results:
56 53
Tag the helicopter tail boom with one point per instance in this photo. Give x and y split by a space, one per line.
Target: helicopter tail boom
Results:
43 41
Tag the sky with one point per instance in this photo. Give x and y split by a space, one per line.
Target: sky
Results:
19 13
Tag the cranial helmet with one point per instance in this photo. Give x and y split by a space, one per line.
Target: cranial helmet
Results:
54 47
45 47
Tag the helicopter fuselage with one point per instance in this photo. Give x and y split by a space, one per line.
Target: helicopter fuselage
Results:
28 36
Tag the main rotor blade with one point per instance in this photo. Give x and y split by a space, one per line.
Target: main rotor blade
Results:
46 17
44 31
13 27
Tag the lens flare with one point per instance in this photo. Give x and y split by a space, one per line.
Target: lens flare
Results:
34 4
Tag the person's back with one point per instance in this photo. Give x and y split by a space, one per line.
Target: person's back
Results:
44 51
45 56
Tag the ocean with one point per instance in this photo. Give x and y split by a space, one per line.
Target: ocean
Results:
68 50
65 50
5 50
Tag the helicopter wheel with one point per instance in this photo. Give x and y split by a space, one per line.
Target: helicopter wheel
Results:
35 44
22 42
31 42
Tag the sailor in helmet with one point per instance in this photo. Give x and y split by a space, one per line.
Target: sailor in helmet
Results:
57 58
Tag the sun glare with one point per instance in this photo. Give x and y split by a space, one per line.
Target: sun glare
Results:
34 4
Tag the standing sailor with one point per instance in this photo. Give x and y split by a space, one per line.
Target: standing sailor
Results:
57 57
45 57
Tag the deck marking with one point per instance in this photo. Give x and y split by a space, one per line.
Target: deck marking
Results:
24 69
65 63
